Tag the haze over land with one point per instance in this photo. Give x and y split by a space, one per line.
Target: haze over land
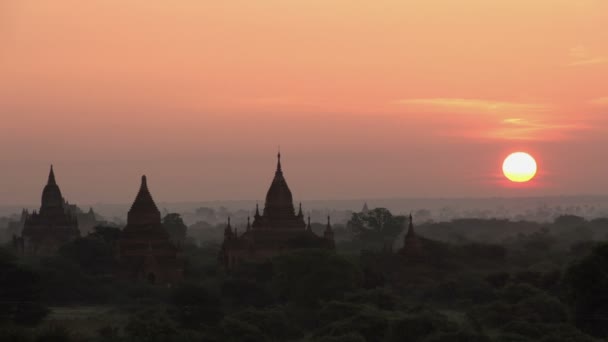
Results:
367 100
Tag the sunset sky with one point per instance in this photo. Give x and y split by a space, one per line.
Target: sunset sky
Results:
366 98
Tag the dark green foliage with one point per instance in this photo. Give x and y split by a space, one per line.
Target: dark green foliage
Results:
307 276
20 292
587 284
521 303
350 337
335 311
14 334
108 234
371 324
272 321
93 254
234 330
195 305
498 280
416 327
460 336
376 228
382 298
175 226
245 292
152 325
55 333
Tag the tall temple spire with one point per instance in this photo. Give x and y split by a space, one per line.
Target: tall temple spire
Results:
329 233
300 214
51 180
279 169
257 210
248 224
410 229
51 195
309 227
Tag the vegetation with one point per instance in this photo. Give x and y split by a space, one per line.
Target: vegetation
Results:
478 280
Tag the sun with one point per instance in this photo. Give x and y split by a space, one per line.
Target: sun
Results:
519 167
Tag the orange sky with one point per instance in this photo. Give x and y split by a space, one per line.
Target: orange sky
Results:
366 98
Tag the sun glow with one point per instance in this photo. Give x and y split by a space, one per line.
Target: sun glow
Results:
519 167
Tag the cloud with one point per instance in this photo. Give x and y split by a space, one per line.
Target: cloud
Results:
533 129
580 56
461 105
601 101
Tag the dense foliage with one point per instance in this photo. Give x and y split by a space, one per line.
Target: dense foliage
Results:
478 280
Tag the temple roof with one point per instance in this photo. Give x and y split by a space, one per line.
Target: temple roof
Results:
143 210
51 194
279 201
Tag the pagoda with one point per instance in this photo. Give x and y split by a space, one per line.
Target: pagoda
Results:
278 229
145 250
46 230
412 246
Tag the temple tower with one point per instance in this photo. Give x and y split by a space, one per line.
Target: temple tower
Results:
52 226
145 250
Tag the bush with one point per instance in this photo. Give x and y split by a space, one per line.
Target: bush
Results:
151 326
306 277
195 305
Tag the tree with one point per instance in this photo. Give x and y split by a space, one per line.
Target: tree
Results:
587 281
175 226
376 227
20 290
307 276
195 305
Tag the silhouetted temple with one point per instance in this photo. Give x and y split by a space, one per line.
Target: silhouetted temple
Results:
145 250
278 229
411 244
54 225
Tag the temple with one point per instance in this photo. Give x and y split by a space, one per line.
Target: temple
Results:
278 229
145 251
54 225
411 244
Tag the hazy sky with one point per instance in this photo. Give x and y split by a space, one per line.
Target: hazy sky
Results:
366 98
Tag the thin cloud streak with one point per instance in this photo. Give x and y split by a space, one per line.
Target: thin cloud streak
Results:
474 105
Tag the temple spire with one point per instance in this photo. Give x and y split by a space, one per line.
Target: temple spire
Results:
300 214
279 169
309 227
410 229
257 210
51 180
248 224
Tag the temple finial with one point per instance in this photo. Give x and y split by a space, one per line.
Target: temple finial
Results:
52 176
279 161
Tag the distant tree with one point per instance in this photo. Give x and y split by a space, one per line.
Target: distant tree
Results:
587 281
151 326
20 295
93 254
308 276
108 234
195 305
569 220
377 227
175 226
